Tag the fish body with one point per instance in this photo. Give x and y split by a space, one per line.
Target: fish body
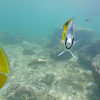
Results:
68 36
4 68
36 62
87 20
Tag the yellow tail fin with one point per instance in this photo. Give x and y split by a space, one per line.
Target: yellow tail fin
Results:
4 67
3 79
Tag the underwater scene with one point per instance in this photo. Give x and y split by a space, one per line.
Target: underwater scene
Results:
49 50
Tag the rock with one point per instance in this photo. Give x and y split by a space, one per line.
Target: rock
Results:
87 53
78 86
11 91
25 93
48 97
85 34
57 33
50 45
96 69
9 39
27 52
48 79
84 56
18 92
91 86
57 50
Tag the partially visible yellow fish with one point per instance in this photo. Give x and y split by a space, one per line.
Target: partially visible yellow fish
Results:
4 68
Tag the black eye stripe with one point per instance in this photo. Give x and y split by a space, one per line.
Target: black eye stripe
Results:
66 41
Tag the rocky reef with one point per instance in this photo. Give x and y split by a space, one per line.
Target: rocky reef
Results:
27 52
96 69
11 91
48 79
88 52
85 34
17 92
57 50
53 80
9 39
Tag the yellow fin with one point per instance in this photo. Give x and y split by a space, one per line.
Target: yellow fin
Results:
62 43
65 26
3 79
63 35
4 64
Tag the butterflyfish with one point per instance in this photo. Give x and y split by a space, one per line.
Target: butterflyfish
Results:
4 68
68 36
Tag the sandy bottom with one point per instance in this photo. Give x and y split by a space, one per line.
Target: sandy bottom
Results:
70 80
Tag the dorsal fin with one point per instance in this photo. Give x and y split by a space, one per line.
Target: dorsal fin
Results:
65 27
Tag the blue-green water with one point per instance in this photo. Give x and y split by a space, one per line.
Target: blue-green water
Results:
40 17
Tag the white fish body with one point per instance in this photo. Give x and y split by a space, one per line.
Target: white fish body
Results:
68 36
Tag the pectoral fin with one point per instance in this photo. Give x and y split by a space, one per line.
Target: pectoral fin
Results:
77 41
72 54
61 53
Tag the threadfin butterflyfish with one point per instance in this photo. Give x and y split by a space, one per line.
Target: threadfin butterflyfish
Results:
4 68
68 36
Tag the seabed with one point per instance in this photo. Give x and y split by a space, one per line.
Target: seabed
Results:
53 80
